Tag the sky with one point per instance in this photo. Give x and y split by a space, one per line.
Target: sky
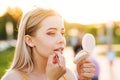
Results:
78 11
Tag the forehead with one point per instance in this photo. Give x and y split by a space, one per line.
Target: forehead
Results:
52 21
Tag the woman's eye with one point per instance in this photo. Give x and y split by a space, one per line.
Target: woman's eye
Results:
63 33
51 33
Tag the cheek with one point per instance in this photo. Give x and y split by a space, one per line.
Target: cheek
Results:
44 47
65 41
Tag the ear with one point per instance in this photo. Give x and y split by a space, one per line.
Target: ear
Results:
28 40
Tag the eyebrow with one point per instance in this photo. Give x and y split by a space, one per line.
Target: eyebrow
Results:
55 29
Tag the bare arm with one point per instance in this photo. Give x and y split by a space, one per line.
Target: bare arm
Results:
69 75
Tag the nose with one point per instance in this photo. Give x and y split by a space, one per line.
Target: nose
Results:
61 39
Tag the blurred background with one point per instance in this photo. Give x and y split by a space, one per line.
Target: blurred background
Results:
98 17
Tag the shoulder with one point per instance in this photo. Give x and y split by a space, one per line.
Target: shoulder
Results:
12 75
70 75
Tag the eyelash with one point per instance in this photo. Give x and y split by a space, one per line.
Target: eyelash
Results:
63 33
54 33
51 33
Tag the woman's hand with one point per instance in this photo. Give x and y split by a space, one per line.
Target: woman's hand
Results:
55 66
86 69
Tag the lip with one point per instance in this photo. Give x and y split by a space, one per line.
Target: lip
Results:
59 50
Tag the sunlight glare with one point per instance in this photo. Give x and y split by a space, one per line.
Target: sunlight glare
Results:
3 8
77 11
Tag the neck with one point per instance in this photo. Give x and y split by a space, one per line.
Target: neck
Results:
40 63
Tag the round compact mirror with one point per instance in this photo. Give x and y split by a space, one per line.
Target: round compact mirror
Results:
88 42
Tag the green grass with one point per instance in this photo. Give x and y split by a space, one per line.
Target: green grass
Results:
118 53
6 58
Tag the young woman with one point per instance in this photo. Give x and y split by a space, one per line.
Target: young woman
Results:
38 54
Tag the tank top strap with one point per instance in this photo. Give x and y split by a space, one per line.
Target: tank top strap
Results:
64 77
23 75
27 78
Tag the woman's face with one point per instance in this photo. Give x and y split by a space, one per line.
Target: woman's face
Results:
50 36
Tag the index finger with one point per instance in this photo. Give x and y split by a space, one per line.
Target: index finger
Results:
50 58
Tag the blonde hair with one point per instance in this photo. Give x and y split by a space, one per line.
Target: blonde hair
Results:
28 26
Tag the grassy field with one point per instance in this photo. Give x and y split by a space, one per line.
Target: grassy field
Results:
6 58
118 54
